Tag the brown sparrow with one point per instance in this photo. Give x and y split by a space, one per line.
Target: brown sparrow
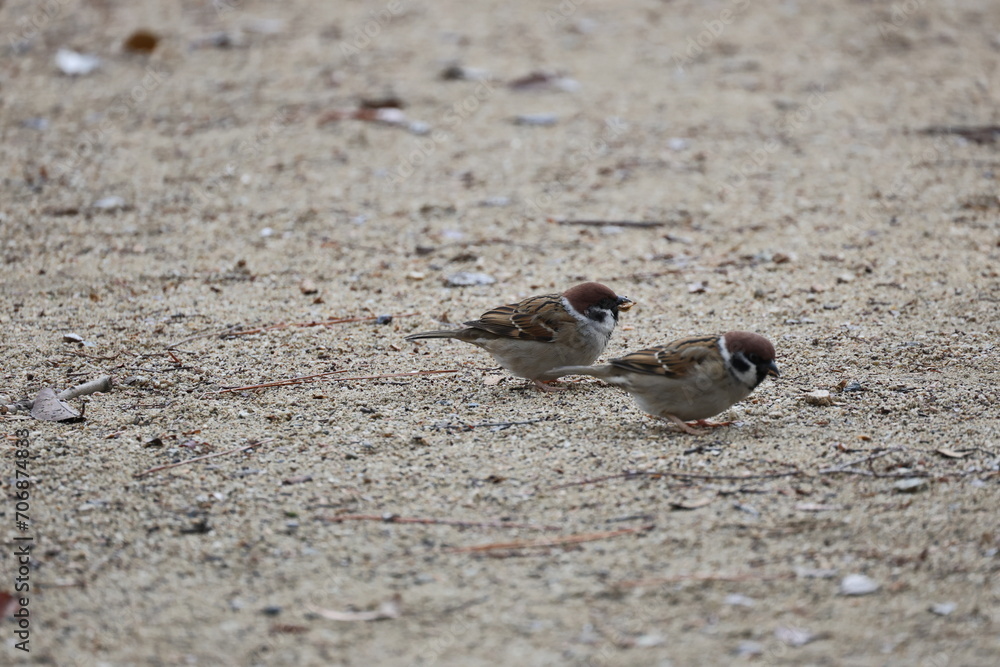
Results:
691 378
531 337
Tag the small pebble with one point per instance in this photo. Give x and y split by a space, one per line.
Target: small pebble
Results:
820 397
383 319
110 203
739 600
468 279
536 119
857 584
943 608
910 485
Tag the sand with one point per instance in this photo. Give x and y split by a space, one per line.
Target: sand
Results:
780 145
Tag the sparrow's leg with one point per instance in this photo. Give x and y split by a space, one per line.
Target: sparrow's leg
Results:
682 425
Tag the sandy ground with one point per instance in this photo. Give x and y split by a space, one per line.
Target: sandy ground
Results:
779 144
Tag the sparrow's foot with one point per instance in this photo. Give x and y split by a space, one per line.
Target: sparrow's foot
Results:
708 424
546 387
682 425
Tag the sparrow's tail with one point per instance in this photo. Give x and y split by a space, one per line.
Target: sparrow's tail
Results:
602 372
452 333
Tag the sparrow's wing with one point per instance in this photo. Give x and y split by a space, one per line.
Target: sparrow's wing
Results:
536 318
673 360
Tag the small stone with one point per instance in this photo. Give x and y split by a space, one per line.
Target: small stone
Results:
943 608
857 584
739 600
72 63
748 648
910 485
853 385
110 203
469 279
73 338
794 636
383 319
649 641
820 397
536 119
271 610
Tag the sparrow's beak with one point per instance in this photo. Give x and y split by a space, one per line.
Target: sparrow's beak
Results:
624 303
772 369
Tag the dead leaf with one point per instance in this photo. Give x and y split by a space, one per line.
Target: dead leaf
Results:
691 504
387 610
48 407
141 41
950 453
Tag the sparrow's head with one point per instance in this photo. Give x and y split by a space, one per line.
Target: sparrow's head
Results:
750 357
596 301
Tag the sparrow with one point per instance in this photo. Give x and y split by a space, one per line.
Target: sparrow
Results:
691 378
531 337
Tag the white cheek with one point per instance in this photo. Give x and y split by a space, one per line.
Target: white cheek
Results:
606 326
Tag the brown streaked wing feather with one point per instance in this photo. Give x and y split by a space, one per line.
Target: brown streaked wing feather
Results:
672 360
535 318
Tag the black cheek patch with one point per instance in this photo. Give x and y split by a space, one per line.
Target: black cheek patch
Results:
740 365
596 313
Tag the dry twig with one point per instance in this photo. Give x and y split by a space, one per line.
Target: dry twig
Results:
241 448
312 378
849 469
636 474
659 581
323 323
640 224
554 542
392 518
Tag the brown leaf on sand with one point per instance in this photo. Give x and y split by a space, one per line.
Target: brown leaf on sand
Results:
141 41
48 407
389 609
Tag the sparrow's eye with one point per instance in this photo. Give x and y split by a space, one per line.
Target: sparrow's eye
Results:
754 359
